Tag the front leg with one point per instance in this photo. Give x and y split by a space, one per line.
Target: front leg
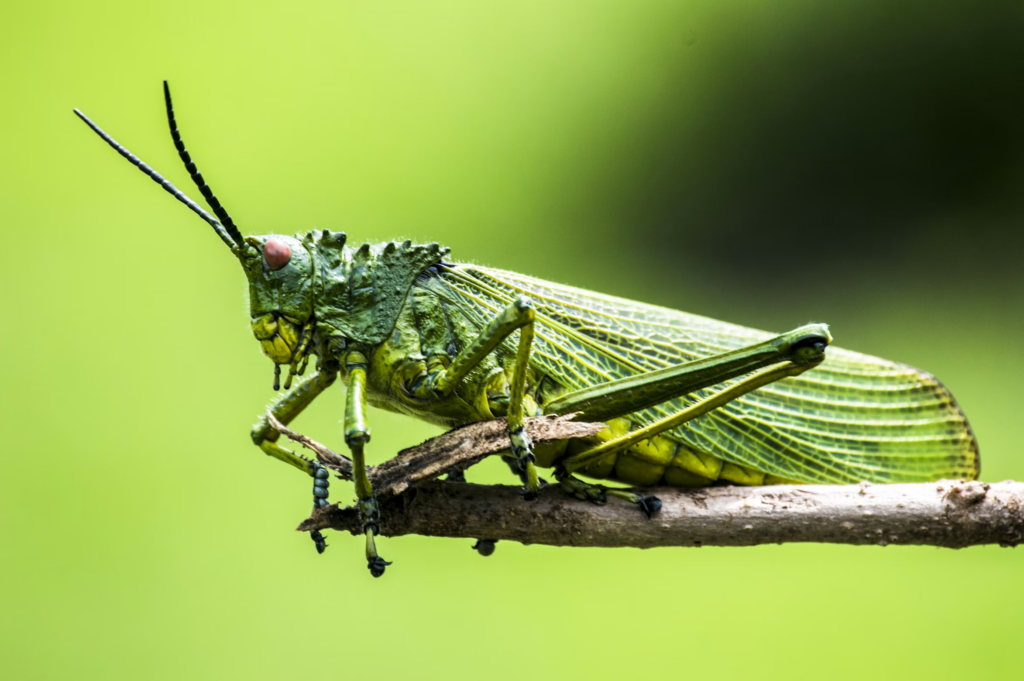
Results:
357 434
285 409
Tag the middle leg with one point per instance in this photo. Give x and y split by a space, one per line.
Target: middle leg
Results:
519 315
522 446
357 434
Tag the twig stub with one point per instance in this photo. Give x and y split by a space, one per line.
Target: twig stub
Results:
455 450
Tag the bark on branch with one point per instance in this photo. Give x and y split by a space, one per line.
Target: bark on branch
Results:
952 514
948 513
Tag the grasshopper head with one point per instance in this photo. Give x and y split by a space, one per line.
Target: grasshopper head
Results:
279 268
356 294
280 273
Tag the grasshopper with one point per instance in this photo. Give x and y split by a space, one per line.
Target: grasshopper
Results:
688 401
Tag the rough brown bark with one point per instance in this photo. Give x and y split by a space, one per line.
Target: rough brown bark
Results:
949 513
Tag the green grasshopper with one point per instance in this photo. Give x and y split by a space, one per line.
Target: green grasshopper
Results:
688 401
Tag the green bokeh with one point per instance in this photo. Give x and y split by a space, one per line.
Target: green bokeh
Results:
144 536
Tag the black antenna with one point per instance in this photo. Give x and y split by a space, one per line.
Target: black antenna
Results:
197 177
159 179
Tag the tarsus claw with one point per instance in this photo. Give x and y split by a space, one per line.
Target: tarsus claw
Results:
650 505
376 565
318 539
484 547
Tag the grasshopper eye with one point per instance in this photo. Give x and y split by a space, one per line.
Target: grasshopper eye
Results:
276 254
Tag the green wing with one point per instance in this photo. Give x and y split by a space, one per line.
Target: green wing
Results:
853 418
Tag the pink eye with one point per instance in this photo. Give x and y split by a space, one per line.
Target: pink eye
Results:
276 254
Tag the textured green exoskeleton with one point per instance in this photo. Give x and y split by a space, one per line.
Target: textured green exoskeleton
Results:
689 401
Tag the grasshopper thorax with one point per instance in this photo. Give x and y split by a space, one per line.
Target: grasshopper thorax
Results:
359 292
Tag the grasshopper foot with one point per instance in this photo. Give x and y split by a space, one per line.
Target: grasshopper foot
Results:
370 512
650 505
318 540
321 481
532 482
529 495
582 490
456 476
484 547
376 564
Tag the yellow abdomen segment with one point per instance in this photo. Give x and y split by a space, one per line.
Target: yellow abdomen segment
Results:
657 461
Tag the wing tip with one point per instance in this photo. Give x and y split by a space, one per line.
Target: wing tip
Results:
973 452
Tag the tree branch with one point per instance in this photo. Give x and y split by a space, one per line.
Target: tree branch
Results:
948 513
952 514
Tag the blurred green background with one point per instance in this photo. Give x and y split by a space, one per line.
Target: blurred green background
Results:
764 163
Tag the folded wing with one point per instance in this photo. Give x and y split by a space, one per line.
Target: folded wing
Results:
853 418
